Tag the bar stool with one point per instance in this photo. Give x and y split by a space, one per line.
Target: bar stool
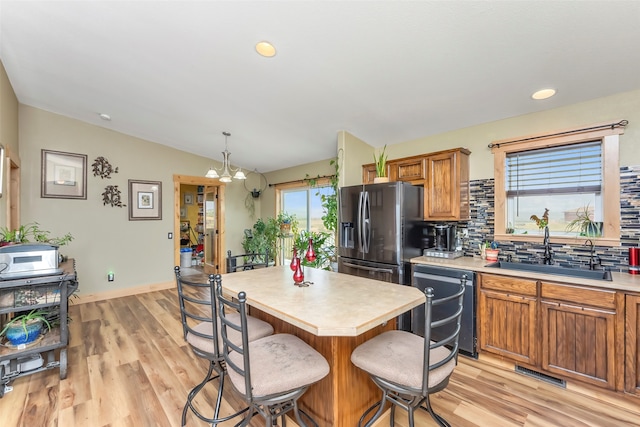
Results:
409 368
201 329
270 373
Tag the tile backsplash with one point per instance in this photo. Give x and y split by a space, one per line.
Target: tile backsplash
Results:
481 228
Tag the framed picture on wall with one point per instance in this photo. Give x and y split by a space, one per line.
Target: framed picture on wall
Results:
188 198
64 175
145 200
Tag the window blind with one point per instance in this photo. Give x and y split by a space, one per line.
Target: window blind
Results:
573 168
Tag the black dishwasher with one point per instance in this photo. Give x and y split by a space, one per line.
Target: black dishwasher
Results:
443 281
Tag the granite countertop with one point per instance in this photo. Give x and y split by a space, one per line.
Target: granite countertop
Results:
336 304
620 281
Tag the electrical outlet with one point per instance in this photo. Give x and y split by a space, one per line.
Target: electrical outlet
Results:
169 235
111 276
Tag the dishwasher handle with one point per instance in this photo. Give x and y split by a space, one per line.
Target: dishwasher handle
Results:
364 267
438 278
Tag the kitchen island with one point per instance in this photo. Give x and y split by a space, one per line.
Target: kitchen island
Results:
334 314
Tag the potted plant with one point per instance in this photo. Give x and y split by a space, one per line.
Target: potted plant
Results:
31 232
26 328
381 166
491 251
284 220
583 224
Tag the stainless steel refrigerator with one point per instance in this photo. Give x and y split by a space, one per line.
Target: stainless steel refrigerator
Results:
380 230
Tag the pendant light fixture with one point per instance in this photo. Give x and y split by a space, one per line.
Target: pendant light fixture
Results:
227 170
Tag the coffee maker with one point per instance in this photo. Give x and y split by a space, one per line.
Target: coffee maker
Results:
444 241
445 237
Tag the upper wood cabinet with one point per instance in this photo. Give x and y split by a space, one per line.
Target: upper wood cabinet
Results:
445 176
446 190
411 170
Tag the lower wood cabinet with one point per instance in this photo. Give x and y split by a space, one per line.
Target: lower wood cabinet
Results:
632 354
507 310
565 330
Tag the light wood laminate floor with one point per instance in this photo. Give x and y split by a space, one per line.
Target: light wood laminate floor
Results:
129 366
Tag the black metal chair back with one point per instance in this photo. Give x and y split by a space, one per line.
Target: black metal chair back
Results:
405 381
291 366
247 261
197 307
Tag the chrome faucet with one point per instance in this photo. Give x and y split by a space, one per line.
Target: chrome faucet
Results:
548 258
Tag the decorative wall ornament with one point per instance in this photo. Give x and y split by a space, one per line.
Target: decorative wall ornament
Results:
111 196
102 168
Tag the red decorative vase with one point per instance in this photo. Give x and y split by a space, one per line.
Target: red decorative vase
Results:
311 255
295 260
298 275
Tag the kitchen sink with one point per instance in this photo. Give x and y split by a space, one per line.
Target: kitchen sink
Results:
553 269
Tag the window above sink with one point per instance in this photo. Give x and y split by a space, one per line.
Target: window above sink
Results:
568 172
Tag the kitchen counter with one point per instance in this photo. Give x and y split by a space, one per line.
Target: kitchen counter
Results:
620 281
334 315
334 305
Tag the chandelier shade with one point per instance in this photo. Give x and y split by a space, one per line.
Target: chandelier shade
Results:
227 170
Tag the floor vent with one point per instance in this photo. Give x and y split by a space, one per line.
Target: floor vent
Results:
541 376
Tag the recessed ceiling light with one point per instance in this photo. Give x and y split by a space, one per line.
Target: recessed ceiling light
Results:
265 49
104 116
544 94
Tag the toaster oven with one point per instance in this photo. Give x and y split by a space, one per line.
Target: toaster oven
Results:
27 260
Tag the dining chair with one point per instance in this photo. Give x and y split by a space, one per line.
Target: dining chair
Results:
270 373
201 330
247 261
409 368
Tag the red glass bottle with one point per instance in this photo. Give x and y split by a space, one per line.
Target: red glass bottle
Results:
295 260
298 275
311 255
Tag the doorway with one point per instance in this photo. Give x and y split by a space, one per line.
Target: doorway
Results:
207 197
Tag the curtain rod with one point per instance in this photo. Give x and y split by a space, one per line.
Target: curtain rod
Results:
620 124
301 180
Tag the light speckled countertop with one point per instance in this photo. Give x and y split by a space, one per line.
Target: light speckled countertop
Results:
335 304
620 281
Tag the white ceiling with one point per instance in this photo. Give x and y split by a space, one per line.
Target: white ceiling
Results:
179 73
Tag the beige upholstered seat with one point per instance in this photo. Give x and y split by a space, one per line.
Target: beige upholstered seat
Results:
201 329
271 373
408 367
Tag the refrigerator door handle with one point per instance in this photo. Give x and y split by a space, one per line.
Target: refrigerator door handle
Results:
366 223
359 231
364 267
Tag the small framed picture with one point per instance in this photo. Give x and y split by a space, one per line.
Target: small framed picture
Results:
145 200
64 175
188 198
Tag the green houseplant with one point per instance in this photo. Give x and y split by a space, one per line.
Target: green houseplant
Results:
31 232
381 164
329 203
285 221
26 328
323 247
583 224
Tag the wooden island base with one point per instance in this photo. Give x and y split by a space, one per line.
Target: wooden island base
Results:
341 397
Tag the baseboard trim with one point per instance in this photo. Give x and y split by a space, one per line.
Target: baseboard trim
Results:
125 292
